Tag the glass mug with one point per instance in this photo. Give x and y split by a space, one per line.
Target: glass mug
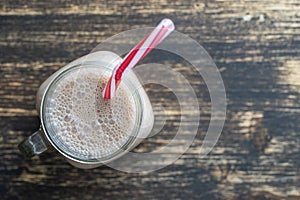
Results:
86 129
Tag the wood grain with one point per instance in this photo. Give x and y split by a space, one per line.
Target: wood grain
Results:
256 46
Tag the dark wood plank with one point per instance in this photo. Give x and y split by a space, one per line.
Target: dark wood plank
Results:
256 46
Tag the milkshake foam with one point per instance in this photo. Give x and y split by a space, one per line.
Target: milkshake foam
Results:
81 122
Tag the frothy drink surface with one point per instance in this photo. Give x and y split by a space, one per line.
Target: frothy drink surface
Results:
81 122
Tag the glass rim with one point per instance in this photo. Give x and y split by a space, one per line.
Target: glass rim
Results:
132 137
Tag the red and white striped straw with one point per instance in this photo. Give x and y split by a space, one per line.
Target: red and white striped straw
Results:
163 29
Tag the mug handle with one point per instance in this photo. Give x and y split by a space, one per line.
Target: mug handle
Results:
33 145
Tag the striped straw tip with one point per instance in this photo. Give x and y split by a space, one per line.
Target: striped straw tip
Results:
168 23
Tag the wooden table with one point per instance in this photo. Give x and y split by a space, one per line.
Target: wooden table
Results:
256 46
